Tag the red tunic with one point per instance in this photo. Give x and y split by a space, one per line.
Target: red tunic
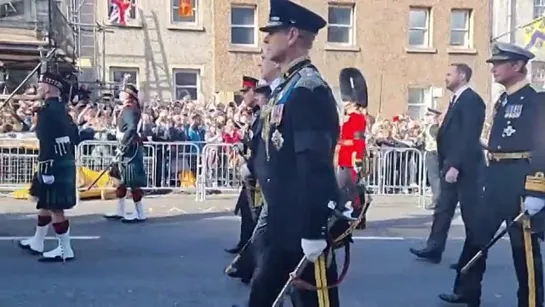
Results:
352 140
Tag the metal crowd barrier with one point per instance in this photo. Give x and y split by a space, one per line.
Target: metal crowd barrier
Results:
393 171
207 169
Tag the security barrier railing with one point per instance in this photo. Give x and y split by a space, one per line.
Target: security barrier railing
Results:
202 169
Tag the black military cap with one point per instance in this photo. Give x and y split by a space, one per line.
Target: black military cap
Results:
131 90
52 79
286 14
502 52
353 86
433 112
248 83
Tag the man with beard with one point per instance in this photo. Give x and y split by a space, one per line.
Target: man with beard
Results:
130 159
460 158
513 183
245 198
54 185
293 163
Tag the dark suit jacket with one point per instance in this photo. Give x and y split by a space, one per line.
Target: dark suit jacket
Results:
458 138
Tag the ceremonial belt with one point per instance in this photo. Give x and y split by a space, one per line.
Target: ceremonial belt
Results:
346 142
502 156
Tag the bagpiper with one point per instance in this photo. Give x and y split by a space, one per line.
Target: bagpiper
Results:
351 151
129 169
54 184
512 173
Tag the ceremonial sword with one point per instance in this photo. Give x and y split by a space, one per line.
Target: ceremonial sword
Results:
337 215
485 249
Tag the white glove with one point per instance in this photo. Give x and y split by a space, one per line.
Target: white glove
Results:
245 171
533 205
349 209
118 155
33 199
313 248
48 179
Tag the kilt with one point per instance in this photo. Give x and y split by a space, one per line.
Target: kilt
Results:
132 170
61 195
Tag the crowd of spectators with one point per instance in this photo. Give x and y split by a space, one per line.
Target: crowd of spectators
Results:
191 122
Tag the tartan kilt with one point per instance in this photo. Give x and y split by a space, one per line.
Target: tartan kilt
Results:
132 171
61 195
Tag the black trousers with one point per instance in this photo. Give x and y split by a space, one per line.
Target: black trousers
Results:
502 202
273 272
247 218
467 190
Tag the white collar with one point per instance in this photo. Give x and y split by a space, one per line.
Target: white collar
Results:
460 91
275 83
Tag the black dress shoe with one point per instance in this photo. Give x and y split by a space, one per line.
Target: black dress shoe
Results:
244 278
427 254
234 250
453 298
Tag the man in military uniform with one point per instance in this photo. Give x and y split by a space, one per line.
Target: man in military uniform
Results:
293 163
432 158
129 168
244 202
54 186
352 139
250 260
245 266
507 178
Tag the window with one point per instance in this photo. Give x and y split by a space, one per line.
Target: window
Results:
119 74
340 25
186 81
539 8
121 11
538 75
419 27
181 16
419 101
243 25
460 28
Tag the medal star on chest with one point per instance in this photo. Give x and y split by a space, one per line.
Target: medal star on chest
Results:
277 139
508 131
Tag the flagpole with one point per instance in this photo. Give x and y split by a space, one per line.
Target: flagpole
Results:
493 39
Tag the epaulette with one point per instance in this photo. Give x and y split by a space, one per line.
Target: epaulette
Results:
310 78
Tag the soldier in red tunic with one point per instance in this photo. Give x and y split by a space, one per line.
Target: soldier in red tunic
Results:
351 150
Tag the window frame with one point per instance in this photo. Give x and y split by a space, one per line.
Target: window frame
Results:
129 69
538 8
350 27
468 29
174 8
129 22
198 86
254 26
427 30
538 75
427 93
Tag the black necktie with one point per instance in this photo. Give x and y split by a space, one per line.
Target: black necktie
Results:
452 102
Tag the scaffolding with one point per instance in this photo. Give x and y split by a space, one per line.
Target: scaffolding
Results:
90 38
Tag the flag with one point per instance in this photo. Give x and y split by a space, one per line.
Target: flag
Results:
185 8
534 34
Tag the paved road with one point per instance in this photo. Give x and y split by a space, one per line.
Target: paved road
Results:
176 259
